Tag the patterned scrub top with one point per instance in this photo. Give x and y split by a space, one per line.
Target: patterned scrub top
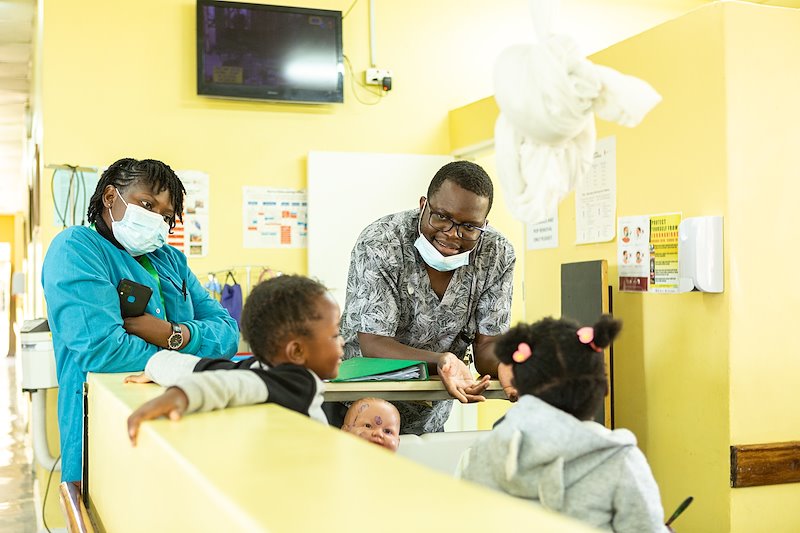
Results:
389 294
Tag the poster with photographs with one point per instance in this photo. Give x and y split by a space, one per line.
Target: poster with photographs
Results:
647 253
191 236
633 253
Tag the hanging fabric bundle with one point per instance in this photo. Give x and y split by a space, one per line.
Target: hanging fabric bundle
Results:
231 298
548 95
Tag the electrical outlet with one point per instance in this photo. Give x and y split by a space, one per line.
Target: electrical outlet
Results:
374 76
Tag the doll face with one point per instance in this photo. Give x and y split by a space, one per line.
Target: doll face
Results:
376 421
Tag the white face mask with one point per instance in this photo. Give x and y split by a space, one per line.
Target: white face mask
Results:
139 231
433 257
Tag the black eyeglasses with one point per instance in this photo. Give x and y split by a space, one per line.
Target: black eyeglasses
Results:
465 230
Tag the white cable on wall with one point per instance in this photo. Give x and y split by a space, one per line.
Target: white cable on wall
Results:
372 33
41 451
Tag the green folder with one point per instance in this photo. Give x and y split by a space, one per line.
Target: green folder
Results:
376 369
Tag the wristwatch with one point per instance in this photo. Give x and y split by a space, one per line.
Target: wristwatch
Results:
175 340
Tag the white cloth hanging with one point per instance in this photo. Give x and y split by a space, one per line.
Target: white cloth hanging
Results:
548 94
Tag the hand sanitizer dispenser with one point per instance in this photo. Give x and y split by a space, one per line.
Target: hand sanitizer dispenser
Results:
700 254
37 357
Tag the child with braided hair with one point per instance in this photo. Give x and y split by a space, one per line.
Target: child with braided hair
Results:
548 448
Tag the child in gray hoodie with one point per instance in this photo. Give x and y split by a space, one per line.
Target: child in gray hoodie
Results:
548 449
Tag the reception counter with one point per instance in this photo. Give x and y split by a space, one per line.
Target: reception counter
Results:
264 468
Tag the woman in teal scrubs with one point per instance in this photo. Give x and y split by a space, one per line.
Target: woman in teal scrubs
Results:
133 208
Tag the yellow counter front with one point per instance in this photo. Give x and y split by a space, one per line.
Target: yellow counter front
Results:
264 468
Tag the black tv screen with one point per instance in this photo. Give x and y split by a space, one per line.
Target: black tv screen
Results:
268 52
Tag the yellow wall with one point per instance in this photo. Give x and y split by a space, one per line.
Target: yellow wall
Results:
695 373
7 231
764 183
671 361
119 80
11 231
491 410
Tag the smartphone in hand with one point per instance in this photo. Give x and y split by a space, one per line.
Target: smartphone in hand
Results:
133 297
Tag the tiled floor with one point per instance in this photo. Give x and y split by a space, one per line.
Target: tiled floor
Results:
17 499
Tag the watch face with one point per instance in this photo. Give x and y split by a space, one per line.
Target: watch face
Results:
175 340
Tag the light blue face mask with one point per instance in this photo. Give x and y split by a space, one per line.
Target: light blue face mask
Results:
139 231
433 257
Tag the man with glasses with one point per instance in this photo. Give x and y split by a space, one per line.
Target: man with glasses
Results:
427 284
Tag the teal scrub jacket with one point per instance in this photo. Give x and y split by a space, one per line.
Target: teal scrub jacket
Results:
80 275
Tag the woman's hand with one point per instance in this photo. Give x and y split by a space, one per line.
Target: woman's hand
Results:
173 403
137 378
459 381
149 328
505 373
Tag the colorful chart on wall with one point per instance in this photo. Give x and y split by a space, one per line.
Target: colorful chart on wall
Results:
274 218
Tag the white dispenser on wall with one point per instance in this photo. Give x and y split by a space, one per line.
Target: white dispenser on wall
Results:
37 357
700 254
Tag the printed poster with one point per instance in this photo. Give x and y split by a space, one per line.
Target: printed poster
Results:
633 253
664 253
191 235
542 234
274 218
647 253
596 196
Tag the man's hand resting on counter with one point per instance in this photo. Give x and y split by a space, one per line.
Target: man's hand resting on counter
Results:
459 381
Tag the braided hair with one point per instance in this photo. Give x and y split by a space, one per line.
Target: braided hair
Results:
562 370
277 309
122 174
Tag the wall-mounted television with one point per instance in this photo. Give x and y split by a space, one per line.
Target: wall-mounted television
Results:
266 52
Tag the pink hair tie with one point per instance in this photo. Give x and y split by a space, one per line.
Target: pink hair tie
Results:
586 336
523 353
